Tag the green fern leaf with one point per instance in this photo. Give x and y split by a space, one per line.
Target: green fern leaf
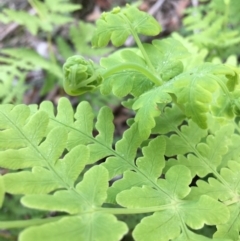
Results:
207 156
27 60
190 132
214 27
127 80
61 6
230 185
147 108
14 130
191 236
11 92
230 229
118 24
225 189
31 22
168 224
196 99
168 120
125 153
48 15
105 129
166 56
146 172
233 151
80 127
175 215
23 136
90 193
40 179
87 227
70 167
174 186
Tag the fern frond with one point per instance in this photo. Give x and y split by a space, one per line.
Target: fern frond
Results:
19 59
227 191
25 152
118 24
33 142
126 80
194 89
48 15
80 128
230 230
165 56
147 108
174 188
89 194
214 27
200 155
32 23
61 6
146 171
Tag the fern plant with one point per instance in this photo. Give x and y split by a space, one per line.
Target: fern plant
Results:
177 164
215 26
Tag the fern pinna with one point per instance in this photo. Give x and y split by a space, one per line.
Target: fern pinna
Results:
177 163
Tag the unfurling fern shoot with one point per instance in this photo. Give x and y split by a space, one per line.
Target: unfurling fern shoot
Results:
80 76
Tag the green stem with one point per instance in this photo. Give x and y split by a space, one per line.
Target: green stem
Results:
27 223
116 211
50 48
134 210
139 44
225 89
130 66
42 16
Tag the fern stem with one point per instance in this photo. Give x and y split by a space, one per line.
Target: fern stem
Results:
50 48
144 53
183 225
27 223
135 210
139 44
131 66
224 88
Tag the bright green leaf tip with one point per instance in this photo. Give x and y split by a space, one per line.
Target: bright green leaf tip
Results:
119 24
